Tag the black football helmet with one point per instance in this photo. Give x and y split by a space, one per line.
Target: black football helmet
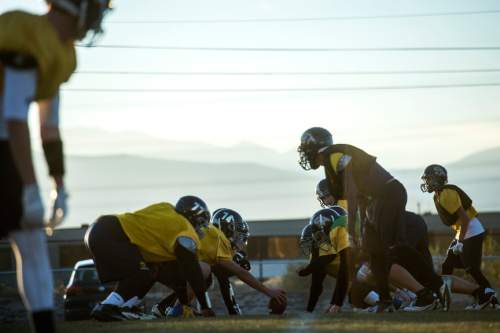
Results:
233 226
195 211
306 241
435 177
89 14
311 142
322 222
323 191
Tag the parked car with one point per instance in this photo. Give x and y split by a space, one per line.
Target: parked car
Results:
84 291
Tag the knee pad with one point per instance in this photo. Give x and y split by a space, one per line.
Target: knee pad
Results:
34 275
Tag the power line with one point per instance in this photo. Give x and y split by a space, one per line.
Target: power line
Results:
285 49
402 72
306 19
274 90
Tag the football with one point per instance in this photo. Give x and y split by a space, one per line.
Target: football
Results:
275 307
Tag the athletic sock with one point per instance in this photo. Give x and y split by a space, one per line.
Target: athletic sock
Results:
114 299
43 321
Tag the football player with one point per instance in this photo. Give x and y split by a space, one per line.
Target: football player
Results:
224 238
325 240
156 243
455 209
37 55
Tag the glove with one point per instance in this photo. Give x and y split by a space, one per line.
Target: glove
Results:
33 212
457 248
187 312
58 198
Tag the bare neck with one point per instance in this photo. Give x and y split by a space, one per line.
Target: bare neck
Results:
64 24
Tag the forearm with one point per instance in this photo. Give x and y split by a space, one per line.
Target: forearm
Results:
245 276
315 290
191 271
342 283
464 223
19 139
51 138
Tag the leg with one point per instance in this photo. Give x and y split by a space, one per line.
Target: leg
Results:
472 259
403 279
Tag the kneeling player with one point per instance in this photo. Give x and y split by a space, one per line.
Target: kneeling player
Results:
224 238
128 246
456 210
326 240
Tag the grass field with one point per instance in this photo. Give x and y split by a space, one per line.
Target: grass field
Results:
452 322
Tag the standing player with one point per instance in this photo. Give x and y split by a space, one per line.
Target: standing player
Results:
455 209
36 56
351 174
326 240
129 248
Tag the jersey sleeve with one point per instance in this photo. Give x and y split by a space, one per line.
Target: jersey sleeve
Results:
19 92
339 161
224 250
339 238
450 200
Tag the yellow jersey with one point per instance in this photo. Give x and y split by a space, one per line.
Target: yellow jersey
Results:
339 241
215 247
155 229
448 201
34 35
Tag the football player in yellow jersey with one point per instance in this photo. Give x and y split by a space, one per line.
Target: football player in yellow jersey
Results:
326 240
224 238
157 243
456 210
36 56
354 174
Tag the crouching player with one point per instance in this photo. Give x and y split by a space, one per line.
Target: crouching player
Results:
456 210
129 248
224 238
325 239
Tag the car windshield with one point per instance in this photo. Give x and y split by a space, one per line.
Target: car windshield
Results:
87 274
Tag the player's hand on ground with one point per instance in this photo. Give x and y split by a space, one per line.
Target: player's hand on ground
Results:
33 211
207 312
58 199
278 294
303 271
333 309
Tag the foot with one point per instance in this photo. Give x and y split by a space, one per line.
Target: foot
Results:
159 312
426 301
444 294
107 312
486 297
136 313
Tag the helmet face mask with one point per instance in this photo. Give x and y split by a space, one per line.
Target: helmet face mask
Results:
232 226
311 142
434 178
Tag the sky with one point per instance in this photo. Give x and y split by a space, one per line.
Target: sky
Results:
404 128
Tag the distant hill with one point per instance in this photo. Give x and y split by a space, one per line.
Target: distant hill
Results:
489 156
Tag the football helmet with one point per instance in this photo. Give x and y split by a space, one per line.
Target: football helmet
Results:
195 211
306 241
233 226
434 178
322 192
322 222
311 142
89 14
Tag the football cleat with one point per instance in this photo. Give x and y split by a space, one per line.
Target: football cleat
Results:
426 301
160 312
136 313
370 309
107 312
485 298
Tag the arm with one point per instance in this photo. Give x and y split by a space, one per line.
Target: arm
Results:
315 290
464 221
227 292
316 264
19 91
185 252
342 283
351 194
250 280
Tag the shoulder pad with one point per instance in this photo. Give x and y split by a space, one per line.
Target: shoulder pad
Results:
187 243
